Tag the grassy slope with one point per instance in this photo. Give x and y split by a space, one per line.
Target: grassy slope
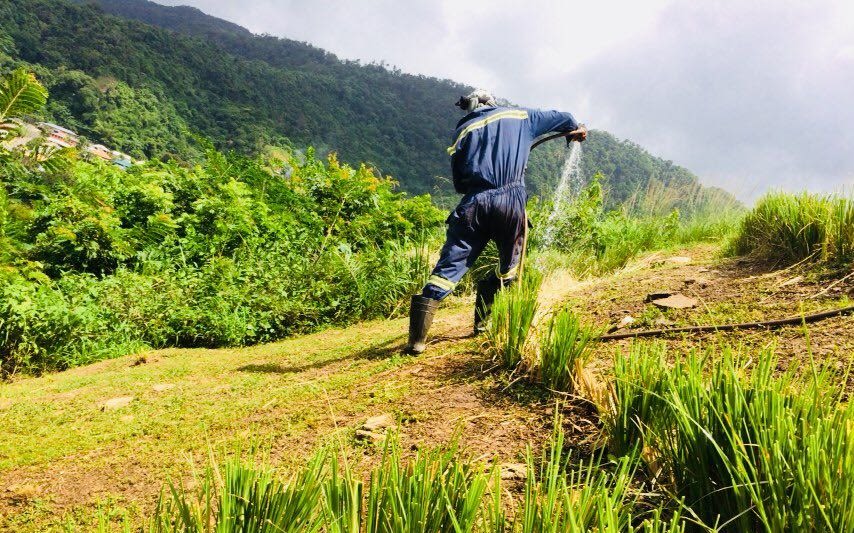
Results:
61 455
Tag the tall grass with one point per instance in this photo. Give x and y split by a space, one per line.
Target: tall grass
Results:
593 241
747 449
564 349
561 496
636 397
510 327
436 492
787 228
244 498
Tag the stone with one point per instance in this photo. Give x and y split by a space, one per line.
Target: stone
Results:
116 403
378 422
662 322
675 301
514 471
626 322
162 387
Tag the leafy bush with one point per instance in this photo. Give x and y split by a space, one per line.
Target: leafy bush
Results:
787 228
231 252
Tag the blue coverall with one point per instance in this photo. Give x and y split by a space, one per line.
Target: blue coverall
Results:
489 154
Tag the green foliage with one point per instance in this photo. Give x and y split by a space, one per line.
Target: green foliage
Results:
564 348
20 94
98 261
561 497
510 327
436 491
787 228
244 498
592 240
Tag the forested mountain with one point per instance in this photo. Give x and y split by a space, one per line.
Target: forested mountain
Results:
146 79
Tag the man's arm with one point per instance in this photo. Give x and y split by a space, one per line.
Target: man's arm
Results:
543 122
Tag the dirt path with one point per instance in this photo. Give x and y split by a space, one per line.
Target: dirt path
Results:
67 446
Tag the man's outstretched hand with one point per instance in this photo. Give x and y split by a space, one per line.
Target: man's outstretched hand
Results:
579 134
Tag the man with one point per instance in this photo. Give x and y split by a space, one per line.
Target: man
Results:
489 153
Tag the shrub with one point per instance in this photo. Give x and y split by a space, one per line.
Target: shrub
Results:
227 253
787 228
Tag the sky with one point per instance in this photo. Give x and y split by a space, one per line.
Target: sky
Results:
749 95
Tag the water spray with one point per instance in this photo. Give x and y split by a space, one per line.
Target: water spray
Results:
569 184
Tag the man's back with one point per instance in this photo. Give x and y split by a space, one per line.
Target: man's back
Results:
492 145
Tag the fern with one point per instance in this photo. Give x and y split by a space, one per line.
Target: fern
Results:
20 94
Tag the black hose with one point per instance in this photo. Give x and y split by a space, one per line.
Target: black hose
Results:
768 324
550 137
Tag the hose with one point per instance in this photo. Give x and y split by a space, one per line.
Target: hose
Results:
550 137
768 324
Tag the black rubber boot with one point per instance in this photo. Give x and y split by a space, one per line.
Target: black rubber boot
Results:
486 291
421 312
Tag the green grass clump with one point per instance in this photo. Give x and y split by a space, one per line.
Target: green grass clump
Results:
436 492
245 498
747 449
636 397
562 496
787 228
564 347
510 327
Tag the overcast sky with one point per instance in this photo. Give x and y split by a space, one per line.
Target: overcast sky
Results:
750 95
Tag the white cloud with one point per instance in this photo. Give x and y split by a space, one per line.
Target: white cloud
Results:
748 94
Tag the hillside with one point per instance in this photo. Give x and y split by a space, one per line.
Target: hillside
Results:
145 90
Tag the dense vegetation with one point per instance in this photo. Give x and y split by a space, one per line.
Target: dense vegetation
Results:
145 90
240 100
786 228
97 261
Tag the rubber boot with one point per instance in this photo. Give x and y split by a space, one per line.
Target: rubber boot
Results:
421 312
486 291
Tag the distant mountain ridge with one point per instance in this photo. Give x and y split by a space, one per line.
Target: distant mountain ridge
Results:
143 82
